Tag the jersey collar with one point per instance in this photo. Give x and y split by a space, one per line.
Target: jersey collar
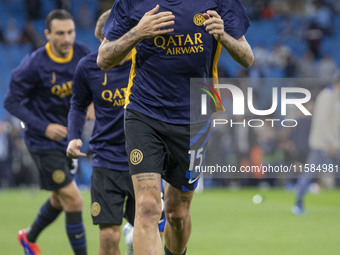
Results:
58 59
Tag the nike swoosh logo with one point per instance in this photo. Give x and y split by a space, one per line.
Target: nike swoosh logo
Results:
192 181
78 236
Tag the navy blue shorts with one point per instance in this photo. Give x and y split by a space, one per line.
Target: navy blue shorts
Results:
111 191
54 168
173 151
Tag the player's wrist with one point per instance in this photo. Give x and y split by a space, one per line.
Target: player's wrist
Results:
137 34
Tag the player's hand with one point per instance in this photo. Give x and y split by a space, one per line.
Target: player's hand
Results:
152 23
214 24
73 149
56 132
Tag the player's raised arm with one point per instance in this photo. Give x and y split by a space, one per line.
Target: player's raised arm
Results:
240 49
111 53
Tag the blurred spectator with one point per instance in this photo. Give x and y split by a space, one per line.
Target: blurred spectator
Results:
267 11
33 8
30 36
290 29
323 17
262 59
63 4
327 67
12 33
307 66
85 16
291 69
313 36
280 55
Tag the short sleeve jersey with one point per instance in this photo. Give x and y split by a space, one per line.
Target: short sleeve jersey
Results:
162 66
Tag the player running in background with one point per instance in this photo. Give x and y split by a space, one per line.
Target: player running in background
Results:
174 41
39 95
111 183
324 140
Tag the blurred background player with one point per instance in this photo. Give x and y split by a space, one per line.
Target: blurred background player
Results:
174 41
39 95
324 140
111 183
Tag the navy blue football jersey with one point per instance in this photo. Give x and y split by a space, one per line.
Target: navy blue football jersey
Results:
39 93
107 91
162 66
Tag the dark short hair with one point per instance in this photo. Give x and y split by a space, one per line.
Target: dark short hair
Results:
57 14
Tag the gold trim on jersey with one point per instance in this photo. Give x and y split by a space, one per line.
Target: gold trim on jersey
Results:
219 106
129 57
58 59
131 77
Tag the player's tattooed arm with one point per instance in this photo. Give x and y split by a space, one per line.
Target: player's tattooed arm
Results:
111 53
240 49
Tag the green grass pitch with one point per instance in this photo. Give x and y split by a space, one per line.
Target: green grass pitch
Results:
224 222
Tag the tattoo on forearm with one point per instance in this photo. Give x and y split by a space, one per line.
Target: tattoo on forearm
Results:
239 52
120 48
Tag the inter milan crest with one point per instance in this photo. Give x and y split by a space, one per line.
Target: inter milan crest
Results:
199 19
136 156
95 209
58 176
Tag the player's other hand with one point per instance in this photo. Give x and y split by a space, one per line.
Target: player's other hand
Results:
73 149
56 132
214 24
153 24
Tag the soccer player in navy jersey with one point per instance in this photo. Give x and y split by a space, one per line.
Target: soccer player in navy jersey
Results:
174 41
111 183
39 95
